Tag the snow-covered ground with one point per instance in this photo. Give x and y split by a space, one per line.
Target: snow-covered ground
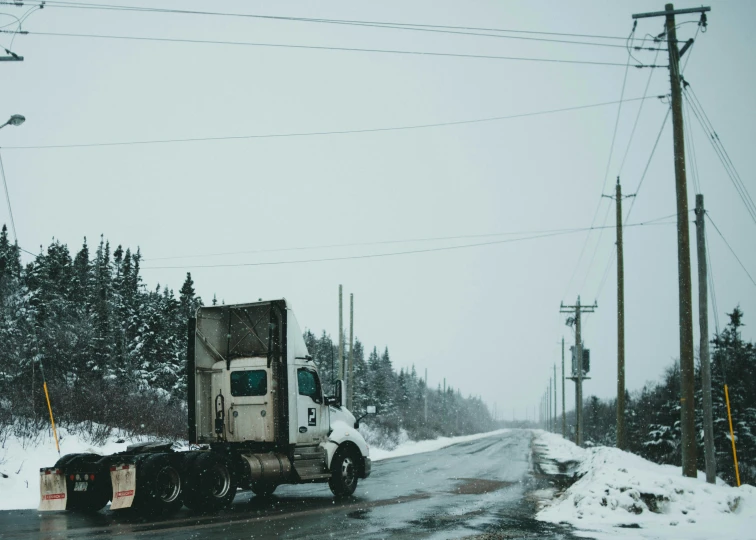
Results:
620 495
20 462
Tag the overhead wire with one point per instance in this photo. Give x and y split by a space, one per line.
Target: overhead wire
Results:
608 164
332 132
720 151
731 250
384 24
7 198
385 242
391 254
332 48
637 190
713 290
609 160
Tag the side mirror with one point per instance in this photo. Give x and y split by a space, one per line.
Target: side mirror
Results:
370 409
337 400
340 394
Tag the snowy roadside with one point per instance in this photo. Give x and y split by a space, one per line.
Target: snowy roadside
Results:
621 495
20 462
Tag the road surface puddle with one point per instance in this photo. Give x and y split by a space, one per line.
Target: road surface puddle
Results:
478 486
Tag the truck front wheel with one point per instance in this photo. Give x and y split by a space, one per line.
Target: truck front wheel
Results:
343 480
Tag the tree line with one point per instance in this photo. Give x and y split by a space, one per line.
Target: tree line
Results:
113 352
653 413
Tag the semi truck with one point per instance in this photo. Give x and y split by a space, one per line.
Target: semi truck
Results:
257 418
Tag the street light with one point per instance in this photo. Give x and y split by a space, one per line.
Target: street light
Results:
15 120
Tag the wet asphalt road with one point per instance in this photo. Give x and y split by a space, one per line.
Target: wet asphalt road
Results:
476 489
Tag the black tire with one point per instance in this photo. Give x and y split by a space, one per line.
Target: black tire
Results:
158 486
211 484
263 489
344 469
95 498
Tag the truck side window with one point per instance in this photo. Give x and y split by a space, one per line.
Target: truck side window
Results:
249 383
309 385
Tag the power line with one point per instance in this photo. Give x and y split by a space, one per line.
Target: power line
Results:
391 254
632 203
637 118
384 242
608 164
711 284
7 199
648 164
371 24
611 150
386 24
731 250
324 133
327 48
719 149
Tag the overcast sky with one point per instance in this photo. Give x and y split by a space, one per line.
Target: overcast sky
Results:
486 318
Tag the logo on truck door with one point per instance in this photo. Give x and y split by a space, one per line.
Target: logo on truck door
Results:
311 418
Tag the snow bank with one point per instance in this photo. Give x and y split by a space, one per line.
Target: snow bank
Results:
619 494
20 461
418 447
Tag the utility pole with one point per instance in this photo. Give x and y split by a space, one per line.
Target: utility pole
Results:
620 318
687 382
341 338
426 395
548 404
350 399
578 309
564 414
703 321
555 401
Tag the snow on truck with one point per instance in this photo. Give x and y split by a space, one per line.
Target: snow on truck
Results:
257 418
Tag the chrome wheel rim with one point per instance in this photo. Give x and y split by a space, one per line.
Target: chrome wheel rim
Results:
347 471
220 481
168 484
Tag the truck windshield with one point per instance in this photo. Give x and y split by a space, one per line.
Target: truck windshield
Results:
249 383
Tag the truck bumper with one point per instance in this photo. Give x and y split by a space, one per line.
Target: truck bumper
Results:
368 467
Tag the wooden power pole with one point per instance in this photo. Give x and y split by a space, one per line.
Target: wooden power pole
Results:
578 310
687 382
621 437
350 378
564 414
703 321
555 401
341 338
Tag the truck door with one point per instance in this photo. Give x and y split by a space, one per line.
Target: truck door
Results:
250 415
312 420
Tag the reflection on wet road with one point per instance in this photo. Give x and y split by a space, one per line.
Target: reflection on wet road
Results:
478 488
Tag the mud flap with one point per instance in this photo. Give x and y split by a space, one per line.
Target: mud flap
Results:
123 478
52 490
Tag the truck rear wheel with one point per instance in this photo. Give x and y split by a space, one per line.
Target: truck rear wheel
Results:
159 486
343 480
212 484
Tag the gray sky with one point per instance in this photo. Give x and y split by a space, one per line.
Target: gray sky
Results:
486 318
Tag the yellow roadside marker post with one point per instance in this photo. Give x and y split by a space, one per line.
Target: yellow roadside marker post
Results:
732 436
